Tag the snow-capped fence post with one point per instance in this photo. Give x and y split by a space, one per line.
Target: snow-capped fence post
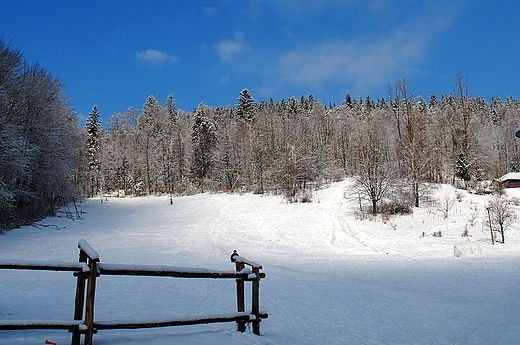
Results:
80 298
93 259
240 263
255 303
241 307
91 294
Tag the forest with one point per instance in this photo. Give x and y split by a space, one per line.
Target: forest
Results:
392 147
40 141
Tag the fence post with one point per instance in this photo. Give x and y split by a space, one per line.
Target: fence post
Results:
91 294
255 303
80 299
241 305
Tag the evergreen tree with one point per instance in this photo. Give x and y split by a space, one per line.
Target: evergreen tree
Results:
246 106
171 107
204 139
462 168
121 175
246 111
92 150
171 145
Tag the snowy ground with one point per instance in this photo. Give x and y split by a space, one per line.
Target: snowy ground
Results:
331 277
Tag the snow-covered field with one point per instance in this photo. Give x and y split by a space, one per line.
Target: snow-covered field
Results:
331 277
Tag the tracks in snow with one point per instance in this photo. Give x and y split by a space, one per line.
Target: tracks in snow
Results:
340 225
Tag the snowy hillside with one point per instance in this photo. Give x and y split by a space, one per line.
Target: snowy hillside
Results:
332 278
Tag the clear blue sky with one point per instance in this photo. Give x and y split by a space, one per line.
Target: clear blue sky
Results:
117 53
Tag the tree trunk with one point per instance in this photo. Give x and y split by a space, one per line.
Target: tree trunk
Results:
416 193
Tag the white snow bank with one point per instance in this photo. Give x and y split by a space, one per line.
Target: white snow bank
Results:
464 249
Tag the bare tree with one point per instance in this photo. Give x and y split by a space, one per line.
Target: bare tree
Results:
412 149
227 163
120 150
375 172
464 111
446 204
501 215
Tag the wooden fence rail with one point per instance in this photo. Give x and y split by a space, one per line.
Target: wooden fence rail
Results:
89 268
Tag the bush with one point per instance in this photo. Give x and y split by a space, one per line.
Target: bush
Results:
396 207
303 196
465 232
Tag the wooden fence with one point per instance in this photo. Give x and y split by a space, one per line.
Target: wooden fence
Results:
89 268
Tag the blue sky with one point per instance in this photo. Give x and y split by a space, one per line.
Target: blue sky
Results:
117 53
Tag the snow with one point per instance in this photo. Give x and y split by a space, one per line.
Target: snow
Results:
85 246
53 323
239 259
170 271
510 176
331 277
45 265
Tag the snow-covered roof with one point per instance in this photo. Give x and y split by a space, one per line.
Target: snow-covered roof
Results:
510 176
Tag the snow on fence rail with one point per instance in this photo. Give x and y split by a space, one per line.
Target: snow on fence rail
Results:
89 268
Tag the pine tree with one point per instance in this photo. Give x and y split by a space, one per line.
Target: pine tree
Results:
171 107
171 145
246 110
92 149
121 175
204 139
246 106
462 168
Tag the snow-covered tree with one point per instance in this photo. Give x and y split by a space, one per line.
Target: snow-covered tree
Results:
120 151
246 106
39 140
174 146
204 139
462 168
228 168
246 112
298 142
92 150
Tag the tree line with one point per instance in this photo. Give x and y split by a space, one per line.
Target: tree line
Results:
40 140
294 145
392 146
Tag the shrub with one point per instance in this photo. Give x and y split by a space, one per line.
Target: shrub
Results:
396 207
465 232
300 197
